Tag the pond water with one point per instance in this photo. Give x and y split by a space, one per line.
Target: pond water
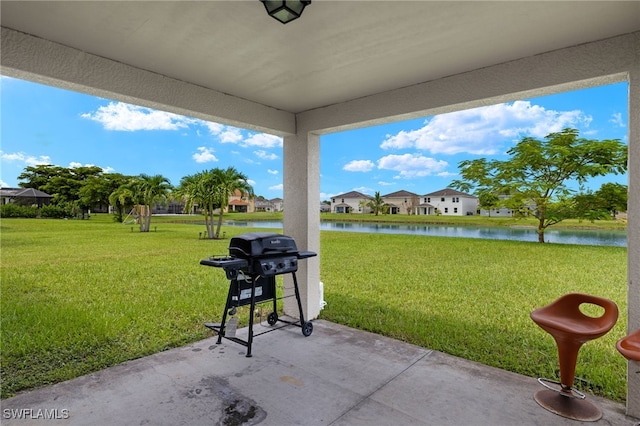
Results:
560 236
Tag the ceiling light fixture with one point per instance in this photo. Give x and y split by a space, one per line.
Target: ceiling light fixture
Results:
285 10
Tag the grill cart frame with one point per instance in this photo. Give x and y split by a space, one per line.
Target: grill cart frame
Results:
252 265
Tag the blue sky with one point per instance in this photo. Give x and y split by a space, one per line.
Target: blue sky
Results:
47 125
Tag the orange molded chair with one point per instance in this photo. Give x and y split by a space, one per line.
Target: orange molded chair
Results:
629 346
571 328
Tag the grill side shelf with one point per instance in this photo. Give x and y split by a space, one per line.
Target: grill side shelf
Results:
225 262
306 254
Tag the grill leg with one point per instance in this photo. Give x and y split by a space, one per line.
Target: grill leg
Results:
295 288
251 314
224 316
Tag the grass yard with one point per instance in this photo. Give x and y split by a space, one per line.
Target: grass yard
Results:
79 296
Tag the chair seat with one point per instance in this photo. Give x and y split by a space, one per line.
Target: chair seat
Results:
629 346
564 319
570 325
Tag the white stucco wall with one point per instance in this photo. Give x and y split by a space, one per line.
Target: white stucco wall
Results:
633 231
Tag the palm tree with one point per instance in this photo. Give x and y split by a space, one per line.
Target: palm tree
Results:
122 200
377 204
210 190
200 190
148 191
228 182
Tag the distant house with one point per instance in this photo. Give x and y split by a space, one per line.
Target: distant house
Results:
25 196
264 205
402 202
500 211
448 202
277 204
350 202
241 202
325 207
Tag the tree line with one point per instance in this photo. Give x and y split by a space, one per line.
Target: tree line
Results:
534 180
78 190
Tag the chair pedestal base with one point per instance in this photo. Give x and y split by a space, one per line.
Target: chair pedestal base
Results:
566 406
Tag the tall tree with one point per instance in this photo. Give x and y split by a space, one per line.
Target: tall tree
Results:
96 190
488 201
122 199
612 197
148 191
377 204
539 172
200 190
63 183
227 182
210 191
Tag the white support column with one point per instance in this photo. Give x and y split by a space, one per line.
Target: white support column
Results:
633 235
302 217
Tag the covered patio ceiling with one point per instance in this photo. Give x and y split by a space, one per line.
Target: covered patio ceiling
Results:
336 52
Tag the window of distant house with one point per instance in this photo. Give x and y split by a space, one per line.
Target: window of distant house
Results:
442 199
342 200
428 200
456 199
446 209
455 210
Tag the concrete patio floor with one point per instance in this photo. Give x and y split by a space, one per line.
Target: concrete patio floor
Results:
336 376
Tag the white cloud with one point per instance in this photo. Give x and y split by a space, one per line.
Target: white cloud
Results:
617 119
265 155
29 160
204 155
412 165
230 135
326 196
382 183
129 118
272 172
359 166
251 182
484 130
263 140
214 128
278 187
364 190
75 165
3 184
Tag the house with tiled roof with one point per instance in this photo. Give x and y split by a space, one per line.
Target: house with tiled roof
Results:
350 202
401 202
24 196
448 202
241 202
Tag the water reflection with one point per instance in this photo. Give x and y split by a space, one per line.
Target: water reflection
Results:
560 236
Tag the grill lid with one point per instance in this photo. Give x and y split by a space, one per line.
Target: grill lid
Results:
262 244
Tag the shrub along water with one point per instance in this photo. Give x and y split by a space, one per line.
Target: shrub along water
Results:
79 296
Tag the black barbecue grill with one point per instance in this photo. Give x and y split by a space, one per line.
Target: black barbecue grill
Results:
253 262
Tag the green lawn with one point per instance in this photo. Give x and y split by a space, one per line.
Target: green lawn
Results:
78 296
